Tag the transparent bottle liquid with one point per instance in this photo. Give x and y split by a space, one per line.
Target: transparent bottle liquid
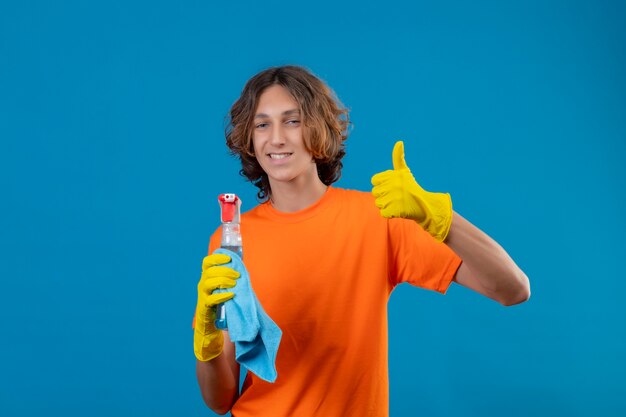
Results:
230 206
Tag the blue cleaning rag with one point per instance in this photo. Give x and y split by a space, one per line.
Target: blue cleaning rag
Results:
255 335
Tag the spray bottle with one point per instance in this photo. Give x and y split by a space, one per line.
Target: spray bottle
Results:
230 206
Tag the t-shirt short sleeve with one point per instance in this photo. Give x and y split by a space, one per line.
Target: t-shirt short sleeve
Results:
417 258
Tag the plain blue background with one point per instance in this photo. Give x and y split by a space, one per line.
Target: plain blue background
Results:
112 154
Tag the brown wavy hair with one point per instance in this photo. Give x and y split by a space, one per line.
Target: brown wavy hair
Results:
325 123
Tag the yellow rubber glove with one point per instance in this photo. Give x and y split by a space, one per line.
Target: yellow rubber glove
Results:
208 341
399 195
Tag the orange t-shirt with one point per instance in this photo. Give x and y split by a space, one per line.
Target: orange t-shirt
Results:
324 275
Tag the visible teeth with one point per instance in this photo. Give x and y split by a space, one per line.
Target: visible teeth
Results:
279 155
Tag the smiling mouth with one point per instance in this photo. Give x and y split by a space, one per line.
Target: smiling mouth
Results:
279 155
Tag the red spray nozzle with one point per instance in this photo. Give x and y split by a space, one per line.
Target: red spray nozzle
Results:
229 203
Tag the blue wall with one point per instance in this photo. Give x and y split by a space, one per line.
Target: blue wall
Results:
112 153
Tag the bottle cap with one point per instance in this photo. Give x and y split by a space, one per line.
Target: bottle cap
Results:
229 204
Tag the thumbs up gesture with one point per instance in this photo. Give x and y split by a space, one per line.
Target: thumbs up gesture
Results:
399 195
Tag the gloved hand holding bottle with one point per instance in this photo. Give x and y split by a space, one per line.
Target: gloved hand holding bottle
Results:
208 341
399 195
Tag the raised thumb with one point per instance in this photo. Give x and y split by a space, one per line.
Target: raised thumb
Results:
398 156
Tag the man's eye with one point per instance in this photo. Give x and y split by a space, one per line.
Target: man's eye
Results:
261 125
293 122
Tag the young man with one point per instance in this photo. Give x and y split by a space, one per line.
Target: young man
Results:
323 260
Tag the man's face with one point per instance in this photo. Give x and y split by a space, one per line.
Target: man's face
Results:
278 137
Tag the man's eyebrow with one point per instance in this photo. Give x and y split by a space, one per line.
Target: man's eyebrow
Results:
285 113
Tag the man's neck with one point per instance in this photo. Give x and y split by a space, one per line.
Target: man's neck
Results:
291 197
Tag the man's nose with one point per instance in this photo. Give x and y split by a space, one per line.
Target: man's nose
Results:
278 135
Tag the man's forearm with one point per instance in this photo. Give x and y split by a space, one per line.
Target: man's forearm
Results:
219 380
486 267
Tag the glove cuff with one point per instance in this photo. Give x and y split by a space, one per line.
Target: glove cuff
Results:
209 346
440 219
207 340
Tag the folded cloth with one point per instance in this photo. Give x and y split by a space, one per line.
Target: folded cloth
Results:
255 335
